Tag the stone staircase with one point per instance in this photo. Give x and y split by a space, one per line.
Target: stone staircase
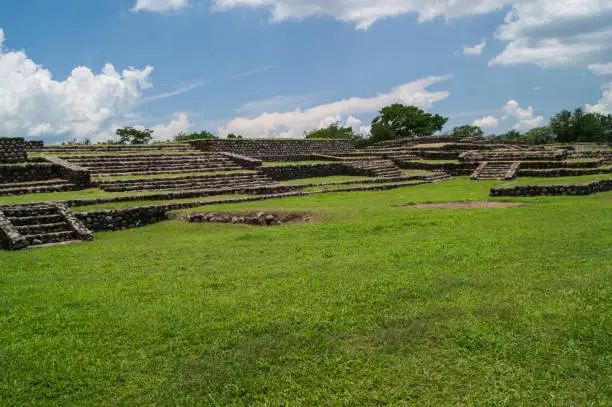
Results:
35 187
214 181
41 224
143 164
377 168
497 170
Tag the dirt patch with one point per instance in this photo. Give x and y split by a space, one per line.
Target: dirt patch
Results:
465 205
267 218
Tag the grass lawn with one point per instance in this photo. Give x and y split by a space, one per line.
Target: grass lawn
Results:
373 305
323 180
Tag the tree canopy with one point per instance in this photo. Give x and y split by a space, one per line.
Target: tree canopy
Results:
580 126
333 131
130 135
399 121
468 131
203 135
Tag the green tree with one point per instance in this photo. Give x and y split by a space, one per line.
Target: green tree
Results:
233 136
468 131
203 135
399 121
580 126
540 135
130 135
333 131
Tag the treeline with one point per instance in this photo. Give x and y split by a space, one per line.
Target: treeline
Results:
399 121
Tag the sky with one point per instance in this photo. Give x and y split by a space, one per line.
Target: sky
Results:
74 69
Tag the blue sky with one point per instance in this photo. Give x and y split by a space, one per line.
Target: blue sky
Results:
221 65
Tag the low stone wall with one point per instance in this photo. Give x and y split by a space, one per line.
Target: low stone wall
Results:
10 238
548 190
270 148
77 175
290 172
12 150
28 172
457 169
34 144
120 219
244 161
534 165
606 155
437 154
563 172
523 156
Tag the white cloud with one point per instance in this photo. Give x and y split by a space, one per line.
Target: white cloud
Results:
364 13
555 32
601 69
475 50
512 116
33 103
159 5
605 103
294 123
487 122
276 103
165 132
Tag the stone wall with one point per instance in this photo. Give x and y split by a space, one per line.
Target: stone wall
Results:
457 169
12 150
34 144
244 161
563 172
549 190
121 219
271 148
28 172
290 172
77 175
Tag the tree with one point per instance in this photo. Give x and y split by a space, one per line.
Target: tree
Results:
130 135
580 126
333 131
233 136
468 131
399 121
203 135
540 135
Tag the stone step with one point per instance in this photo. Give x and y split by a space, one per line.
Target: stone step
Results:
43 228
152 161
40 189
28 211
34 220
188 186
122 172
186 180
32 184
46 238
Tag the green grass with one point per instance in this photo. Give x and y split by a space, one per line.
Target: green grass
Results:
134 204
324 180
372 305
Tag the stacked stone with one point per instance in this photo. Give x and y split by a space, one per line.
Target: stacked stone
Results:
274 148
122 219
551 190
12 150
28 173
34 145
291 172
256 219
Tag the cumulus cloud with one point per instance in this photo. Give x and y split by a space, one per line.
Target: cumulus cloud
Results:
601 69
555 32
159 5
166 132
293 124
512 116
605 103
487 122
475 50
32 103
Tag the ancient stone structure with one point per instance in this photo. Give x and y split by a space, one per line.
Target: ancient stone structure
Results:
271 149
12 150
255 219
496 170
34 145
39 224
568 189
